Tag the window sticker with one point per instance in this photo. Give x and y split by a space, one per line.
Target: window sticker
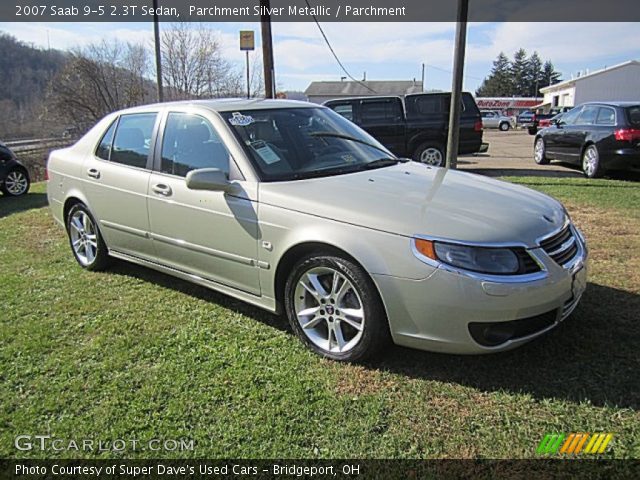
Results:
239 120
266 153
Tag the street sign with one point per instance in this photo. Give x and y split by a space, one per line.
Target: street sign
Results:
247 41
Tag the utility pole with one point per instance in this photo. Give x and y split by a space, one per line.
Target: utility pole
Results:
453 138
423 77
156 39
267 51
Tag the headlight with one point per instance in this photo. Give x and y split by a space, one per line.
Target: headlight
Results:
496 261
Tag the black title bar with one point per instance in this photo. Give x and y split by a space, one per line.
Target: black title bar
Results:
323 10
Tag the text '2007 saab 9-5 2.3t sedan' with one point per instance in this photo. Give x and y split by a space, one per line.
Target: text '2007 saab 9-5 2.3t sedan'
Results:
291 207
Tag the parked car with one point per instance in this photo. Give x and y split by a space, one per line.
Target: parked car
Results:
295 209
492 119
597 136
14 177
416 127
547 122
531 121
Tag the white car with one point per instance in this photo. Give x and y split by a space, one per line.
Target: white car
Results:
291 207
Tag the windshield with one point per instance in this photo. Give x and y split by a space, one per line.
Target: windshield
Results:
295 143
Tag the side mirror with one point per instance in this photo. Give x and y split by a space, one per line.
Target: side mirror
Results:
212 179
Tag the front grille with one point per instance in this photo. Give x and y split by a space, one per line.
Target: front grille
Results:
562 247
493 334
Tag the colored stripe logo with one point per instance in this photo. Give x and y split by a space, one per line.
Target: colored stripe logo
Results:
574 443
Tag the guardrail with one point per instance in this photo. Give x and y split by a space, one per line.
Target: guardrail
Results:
35 144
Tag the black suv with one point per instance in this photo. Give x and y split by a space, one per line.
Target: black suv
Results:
14 177
598 136
415 127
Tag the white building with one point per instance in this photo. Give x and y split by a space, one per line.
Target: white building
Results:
620 82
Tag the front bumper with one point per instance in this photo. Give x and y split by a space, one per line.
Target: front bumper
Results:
452 312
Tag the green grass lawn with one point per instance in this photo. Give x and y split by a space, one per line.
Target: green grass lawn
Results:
133 354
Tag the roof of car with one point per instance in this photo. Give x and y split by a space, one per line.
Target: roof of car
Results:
229 104
615 104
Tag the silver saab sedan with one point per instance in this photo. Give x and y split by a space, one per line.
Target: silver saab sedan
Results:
291 207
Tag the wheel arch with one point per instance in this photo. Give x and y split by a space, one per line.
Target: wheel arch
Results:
295 252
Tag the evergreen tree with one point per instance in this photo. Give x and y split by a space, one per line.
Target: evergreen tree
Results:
534 76
499 83
520 73
549 75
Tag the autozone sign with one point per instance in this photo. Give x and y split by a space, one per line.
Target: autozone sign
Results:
505 103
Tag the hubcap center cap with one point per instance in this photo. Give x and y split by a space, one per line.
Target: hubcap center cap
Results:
330 309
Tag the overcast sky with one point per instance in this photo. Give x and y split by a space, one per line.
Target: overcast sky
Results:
386 51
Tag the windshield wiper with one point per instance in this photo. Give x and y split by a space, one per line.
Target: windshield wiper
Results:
346 137
380 163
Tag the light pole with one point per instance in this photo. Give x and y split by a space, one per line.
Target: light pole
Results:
453 138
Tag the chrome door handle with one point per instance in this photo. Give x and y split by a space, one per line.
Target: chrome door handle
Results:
162 189
93 173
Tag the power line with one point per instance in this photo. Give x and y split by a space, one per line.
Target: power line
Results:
334 53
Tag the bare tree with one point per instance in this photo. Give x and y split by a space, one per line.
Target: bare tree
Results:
100 79
193 65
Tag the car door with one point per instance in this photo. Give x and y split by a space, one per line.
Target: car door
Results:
576 133
489 120
383 118
211 234
554 135
116 178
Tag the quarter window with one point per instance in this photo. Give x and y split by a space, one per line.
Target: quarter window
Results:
132 141
104 149
190 143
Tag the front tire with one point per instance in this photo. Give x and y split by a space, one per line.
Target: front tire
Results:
591 162
16 183
85 239
540 152
430 154
334 308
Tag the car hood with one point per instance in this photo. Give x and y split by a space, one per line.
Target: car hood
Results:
412 198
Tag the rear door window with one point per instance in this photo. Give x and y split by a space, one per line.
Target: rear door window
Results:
570 117
606 116
132 141
380 111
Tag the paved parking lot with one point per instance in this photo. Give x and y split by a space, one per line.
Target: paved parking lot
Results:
511 153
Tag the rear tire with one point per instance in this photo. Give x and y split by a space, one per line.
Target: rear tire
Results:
16 183
591 162
334 308
540 152
85 239
430 154
504 127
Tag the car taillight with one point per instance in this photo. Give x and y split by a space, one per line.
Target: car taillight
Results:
627 134
478 126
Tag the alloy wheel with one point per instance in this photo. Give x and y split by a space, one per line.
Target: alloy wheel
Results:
539 150
329 309
590 161
16 182
84 239
431 156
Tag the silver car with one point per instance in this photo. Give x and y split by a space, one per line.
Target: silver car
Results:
491 119
291 207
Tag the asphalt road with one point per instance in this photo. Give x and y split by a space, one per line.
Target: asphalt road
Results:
511 154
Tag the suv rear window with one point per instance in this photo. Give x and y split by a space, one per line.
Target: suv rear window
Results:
633 115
